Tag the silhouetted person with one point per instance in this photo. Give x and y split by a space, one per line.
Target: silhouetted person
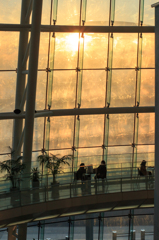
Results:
143 171
81 171
81 176
101 170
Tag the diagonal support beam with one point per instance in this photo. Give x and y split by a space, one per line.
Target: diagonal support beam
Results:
32 80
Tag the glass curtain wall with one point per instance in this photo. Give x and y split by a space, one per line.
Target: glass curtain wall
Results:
103 226
89 70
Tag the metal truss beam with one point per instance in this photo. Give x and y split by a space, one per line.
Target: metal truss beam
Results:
84 29
81 111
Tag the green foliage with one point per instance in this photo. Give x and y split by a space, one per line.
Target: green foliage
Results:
35 174
53 163
13 168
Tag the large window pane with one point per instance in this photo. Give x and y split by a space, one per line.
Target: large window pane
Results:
61 132
10 11
97 12
68 12
43 51
95 50
125 50
6 128
41 90
125 13
66 48
119 157
38 133
91 130
148 50
149 13
9 50
93 89
146 134
64 89
121 129
147 95
123 88
8 88
90 156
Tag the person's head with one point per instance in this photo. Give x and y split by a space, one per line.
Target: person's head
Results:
143 162
103 162
82 165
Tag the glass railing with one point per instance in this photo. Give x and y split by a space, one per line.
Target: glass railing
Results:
78 188
124 170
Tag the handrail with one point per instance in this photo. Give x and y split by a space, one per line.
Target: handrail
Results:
27 196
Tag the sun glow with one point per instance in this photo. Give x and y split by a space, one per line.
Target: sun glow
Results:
70 42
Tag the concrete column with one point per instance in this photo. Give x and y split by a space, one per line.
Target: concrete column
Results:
132 234
22 231
114 235
11 231
142 234
32 80
89 229
156 192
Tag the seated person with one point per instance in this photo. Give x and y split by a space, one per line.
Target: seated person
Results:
81 171
101 170
143 171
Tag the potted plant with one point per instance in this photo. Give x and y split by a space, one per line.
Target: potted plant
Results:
13 168
35 176
53 163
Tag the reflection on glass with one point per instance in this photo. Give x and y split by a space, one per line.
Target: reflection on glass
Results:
38 133
126 14
146 134
149 13
7 96
121 129
119 156
6 128
90 156
9 50
97 12
61 132
68 12
91 130
64 89
93 89
148 50
10 11
45 18
66 50
123 88
43 51
41 91
147 95
125 50
95 50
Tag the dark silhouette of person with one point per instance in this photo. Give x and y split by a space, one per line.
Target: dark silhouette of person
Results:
81 171
143 171
101 170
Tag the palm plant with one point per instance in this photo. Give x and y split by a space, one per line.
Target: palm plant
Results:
35 174
13 168
53 163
